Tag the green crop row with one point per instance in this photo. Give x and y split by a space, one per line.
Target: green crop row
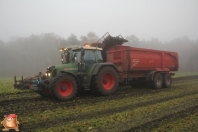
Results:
184 74
107 105
188 123
128 118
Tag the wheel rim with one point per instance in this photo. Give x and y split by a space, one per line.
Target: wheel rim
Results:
167 80
158 80
65 88
108 81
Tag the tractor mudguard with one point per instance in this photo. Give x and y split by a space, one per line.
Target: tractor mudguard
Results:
100 65
71 75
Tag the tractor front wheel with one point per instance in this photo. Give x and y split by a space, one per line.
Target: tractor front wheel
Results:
106 81
64 87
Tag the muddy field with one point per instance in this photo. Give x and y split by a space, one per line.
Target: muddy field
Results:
130 109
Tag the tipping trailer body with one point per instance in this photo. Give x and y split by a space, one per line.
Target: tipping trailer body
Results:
134 62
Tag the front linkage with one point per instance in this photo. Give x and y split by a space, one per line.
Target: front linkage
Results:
33 83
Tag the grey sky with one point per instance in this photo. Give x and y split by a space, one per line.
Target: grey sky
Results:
162 19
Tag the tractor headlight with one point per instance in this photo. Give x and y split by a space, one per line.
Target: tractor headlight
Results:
47 74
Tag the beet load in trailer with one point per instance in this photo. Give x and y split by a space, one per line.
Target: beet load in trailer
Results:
142 67
100 67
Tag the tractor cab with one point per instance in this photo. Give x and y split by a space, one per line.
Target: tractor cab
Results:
80 57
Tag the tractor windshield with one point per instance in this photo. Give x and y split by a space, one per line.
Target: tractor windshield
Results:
92 56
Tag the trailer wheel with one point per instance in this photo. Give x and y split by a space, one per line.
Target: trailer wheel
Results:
167 80
64 87
44 92
106 81
157 81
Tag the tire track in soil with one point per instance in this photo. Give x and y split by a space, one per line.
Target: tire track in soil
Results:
29 93
42 104
104 112
155 123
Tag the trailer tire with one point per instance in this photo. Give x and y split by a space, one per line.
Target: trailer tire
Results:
44 92
64 87
167 80
157 81
106 81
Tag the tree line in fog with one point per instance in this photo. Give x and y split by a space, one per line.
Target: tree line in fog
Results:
30 55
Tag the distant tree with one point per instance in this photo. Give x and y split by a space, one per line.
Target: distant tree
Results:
72 40
84 39
133 41
90 38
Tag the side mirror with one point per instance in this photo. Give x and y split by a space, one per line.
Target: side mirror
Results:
62 58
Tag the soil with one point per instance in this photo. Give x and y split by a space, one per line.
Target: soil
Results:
29 102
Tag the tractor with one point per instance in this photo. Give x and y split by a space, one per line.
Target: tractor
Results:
83 68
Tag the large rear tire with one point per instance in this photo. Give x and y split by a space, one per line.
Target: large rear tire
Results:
167 80
106 81
157 81
64 87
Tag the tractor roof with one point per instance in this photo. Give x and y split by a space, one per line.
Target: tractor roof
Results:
75 47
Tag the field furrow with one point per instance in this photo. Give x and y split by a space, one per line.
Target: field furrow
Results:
130 109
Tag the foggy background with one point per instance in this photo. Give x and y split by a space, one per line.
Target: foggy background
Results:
31 32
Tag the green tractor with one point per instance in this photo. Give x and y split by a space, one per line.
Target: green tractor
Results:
83 68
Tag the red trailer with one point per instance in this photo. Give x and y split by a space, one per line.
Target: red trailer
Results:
139 66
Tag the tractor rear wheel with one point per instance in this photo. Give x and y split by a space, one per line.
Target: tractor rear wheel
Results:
157 81
64 87
106 81
167 80
43 91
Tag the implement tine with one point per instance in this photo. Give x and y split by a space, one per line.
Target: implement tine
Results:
15 79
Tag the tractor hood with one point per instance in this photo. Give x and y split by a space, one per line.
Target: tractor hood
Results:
71 67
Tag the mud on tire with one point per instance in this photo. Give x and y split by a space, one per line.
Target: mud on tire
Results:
64 87
106 81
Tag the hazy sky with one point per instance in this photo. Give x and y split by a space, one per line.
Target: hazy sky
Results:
162 19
